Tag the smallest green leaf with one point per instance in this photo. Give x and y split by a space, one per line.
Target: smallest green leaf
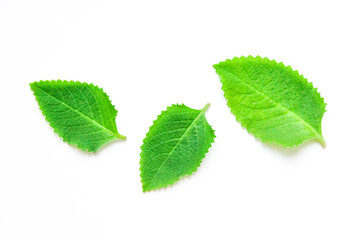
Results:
81 113
174 146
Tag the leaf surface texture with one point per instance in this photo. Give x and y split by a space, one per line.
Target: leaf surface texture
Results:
174 146
81 113
272 101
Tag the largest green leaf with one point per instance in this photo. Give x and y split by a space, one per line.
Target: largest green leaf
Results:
81 113
271 100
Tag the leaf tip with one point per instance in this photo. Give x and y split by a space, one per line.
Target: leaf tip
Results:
33 85
144 189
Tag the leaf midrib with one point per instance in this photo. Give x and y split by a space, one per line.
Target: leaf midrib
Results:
92 120
318 136
180 139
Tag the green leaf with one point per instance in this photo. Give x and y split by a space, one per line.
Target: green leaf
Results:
81 113
174 146
272 101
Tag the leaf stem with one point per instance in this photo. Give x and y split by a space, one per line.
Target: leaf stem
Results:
322 141
206 107
120 136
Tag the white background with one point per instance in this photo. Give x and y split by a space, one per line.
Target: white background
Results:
148 55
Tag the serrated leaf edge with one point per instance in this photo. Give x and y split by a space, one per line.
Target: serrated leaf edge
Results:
301 77
117 135
147 135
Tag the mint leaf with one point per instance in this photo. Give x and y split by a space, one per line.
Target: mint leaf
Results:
272 101
174 146
81 113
